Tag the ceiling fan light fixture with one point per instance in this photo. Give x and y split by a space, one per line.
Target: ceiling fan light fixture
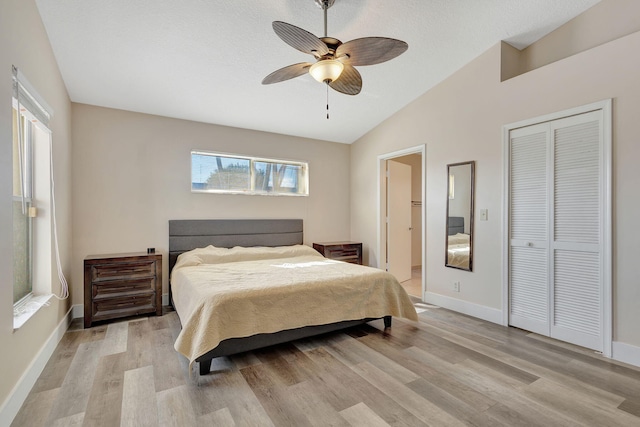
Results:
335 61
326 70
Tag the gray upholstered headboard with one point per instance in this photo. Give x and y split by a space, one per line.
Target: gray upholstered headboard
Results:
456 225
187 234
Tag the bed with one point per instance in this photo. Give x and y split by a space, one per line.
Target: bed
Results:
239 285
458 244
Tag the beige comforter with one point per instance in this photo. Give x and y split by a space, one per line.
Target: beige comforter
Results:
228 293
458 250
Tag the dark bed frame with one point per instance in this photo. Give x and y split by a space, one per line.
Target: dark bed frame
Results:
185 235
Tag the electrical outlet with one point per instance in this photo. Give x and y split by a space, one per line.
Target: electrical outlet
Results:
456 286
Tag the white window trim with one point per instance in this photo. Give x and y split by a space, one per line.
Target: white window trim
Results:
27 307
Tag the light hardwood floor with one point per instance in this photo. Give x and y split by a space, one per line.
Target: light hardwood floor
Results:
413 286
446 370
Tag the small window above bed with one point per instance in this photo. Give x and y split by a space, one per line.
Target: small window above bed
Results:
234 174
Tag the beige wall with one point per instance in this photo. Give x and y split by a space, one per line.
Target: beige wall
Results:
461 119
132 174
24 43
604 22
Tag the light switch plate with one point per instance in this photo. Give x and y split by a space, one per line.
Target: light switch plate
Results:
484 214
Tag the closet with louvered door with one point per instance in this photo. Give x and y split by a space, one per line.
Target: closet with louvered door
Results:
556 208
529 248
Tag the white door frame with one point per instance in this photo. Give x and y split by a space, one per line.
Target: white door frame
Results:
381 205
607 230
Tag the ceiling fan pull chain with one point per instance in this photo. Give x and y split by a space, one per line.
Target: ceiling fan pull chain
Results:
327 100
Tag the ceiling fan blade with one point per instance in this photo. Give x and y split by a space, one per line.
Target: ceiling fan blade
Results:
349 82
300 39
370 50
286 73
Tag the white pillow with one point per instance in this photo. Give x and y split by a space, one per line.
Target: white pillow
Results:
458 239
215 255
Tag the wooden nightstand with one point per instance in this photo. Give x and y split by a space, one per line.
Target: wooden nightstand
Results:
121 285
343 251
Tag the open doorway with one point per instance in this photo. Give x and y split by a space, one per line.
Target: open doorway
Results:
401 216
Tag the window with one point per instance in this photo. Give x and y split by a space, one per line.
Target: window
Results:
22 204
32 208
33 203
225 173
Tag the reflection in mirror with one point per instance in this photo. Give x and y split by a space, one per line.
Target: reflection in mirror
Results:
459 237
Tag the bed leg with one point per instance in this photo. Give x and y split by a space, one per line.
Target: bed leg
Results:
387 321
205 366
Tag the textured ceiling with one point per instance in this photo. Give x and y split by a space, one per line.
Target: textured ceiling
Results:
205 60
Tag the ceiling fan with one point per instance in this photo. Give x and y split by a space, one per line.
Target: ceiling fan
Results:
335 60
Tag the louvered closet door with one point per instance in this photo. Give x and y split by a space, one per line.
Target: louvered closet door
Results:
556 231
576 235
529 247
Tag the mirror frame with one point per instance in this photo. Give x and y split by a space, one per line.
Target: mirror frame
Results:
472 164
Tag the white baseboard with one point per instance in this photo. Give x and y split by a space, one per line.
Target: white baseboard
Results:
18 395
483 312
626 353
77 311
165 300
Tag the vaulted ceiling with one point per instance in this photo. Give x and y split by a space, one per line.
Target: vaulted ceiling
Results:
205 60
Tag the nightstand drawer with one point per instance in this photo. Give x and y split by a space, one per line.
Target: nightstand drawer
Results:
115 288
101 272
130 305
343 254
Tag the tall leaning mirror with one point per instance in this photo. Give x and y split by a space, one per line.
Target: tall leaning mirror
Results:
459 238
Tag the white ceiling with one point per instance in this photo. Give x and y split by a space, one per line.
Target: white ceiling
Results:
205 60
